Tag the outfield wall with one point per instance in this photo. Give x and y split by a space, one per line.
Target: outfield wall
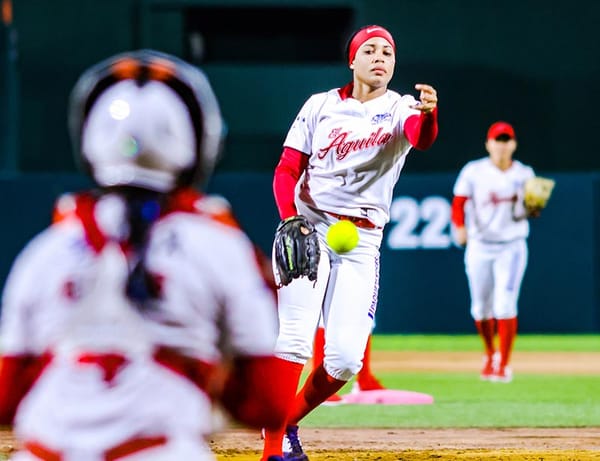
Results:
541 76
423 287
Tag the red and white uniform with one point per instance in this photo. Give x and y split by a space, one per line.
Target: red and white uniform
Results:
357 151
113 380
497 228
348 156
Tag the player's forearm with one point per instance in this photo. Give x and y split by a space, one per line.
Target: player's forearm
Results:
287 172
283 189
422 130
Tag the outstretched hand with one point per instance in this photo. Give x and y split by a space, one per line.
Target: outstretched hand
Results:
427 99
460 235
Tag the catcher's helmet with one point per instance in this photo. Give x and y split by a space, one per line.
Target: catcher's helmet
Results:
145 119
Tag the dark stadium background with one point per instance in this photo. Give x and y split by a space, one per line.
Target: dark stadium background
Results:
533 63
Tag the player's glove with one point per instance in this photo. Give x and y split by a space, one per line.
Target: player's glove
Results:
536 194
296 250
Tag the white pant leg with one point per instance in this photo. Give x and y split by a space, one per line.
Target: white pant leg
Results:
349 311
495 273
479 263
299 309
509 269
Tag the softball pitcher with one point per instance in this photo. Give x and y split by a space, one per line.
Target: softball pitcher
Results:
489 216
142 310
341 159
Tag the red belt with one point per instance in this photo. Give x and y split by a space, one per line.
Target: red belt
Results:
360 222
200 373
122 450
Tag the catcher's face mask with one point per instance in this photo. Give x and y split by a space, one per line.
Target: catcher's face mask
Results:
145 119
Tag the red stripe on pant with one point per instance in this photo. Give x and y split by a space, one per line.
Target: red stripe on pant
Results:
117 452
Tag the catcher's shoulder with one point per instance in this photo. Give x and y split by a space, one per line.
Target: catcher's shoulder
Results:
206 234
204 215
218 209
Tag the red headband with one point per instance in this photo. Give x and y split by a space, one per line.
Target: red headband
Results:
365 34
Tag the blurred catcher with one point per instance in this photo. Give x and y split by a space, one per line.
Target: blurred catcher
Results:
141 312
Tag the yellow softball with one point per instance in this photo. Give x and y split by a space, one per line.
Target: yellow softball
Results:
342 236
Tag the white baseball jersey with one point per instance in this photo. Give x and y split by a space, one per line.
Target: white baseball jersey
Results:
494 212
357 150
66 298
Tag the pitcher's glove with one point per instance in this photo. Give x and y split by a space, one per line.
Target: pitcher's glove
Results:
536 194
296 250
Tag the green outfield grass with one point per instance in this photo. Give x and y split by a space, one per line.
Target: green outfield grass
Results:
466 343
462 400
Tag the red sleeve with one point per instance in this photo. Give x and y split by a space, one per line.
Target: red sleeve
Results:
458 210
251 393
421 130
287 172
17 375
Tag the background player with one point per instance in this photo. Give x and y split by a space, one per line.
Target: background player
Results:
489 216
341 159
126 322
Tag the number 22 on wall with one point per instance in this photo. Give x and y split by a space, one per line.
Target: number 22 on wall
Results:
419 225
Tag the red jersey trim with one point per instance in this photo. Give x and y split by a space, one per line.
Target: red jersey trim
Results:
345 92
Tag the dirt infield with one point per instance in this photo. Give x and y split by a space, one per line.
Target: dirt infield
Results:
527 444
562 444
568 363
430 444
